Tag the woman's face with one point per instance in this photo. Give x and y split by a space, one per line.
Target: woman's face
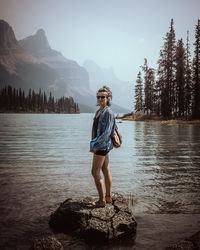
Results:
102 98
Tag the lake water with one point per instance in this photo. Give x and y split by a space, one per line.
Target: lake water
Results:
45 159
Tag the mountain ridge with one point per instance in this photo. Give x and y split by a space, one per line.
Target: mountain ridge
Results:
32 63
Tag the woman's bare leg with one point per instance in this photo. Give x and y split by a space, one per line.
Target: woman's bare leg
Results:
107 178
97 164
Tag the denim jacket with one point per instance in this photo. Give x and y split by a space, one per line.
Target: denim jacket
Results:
105 131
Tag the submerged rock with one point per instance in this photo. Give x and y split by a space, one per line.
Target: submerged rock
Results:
47 243
80 217
191 243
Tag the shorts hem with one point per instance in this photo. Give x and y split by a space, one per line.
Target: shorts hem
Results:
101 152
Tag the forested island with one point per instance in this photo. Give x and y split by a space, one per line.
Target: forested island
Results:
15 101
173 90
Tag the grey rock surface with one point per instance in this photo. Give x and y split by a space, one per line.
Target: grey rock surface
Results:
81 218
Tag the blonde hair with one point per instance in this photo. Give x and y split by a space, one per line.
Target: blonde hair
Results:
108 92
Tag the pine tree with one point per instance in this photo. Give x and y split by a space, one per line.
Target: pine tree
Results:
196 73
166 73
33 101
9 96
148 87
138 94
45 101
188 79
17 101
23 101
40 101
29 100
180 78
20 98
51 103
160 86
14 99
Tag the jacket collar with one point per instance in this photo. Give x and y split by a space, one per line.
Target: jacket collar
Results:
102 112
103 109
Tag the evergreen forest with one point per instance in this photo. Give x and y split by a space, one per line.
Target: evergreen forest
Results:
173 90
15 100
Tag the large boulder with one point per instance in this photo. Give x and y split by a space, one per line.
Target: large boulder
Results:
80 217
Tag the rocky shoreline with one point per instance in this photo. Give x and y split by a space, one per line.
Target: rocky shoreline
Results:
156 119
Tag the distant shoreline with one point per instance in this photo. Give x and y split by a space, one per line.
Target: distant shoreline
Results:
12 112
156 119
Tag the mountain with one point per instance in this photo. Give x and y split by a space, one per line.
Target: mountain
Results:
122 91
74 77
32 63
21 68
18 67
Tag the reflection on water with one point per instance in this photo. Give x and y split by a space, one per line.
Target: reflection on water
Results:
168 160
45 159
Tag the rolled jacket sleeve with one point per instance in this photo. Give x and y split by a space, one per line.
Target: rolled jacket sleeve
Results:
101 141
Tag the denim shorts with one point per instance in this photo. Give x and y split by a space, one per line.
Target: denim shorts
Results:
102 152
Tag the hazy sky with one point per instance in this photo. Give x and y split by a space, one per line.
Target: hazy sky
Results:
113 33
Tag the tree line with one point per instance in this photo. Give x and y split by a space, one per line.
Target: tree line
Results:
173 90
15 100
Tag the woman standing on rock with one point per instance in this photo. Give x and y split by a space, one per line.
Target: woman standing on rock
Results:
101 144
